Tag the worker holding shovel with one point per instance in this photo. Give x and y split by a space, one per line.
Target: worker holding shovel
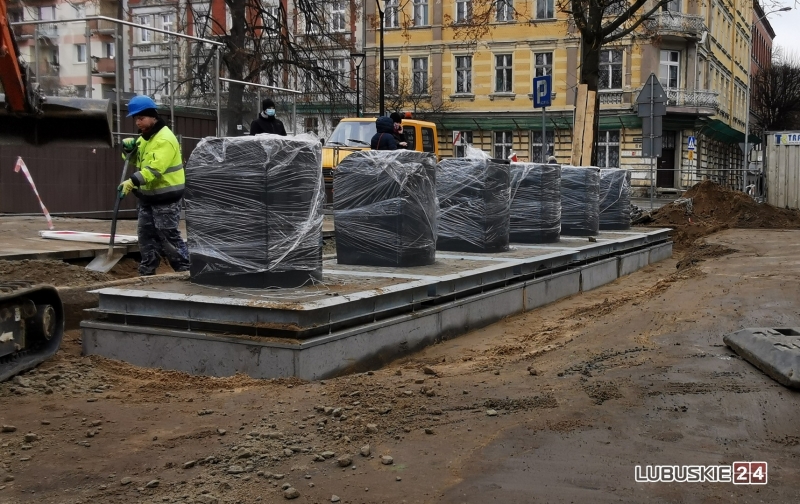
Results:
159 184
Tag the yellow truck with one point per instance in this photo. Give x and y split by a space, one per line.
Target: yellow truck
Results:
354 134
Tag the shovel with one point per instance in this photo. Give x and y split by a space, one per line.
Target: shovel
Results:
104 263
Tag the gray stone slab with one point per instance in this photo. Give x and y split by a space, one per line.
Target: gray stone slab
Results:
628 263
599 273
660 252
775 351
543 291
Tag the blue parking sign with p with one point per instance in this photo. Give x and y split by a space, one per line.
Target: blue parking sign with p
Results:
542 89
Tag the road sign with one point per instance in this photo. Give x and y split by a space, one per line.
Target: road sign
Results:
692 143
652 89
653 149
657 127
542 89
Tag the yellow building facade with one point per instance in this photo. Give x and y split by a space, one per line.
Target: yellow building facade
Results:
480 81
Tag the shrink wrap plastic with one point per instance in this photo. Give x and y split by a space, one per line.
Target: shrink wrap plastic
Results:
580 200
615 199
254 211
535 203
473 198
385 208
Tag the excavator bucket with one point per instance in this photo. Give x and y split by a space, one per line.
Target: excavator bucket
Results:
63 121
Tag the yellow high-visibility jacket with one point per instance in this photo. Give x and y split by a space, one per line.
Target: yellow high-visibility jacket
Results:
160 178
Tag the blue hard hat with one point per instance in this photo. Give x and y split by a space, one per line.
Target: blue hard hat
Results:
138 104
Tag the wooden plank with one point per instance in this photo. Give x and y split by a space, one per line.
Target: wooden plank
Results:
589 134
578 127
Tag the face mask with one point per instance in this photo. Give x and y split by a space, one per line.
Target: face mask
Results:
271 112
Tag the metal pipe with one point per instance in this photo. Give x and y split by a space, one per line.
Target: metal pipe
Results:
120 82
88 54
218 69
171 85
36 52
120 21
381 63
223 79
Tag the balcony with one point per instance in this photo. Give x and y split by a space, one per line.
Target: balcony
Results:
23 32
693 98
610 97
676 24
102 26
104 67
48 69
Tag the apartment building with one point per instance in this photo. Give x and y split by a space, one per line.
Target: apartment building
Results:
61 61
698 50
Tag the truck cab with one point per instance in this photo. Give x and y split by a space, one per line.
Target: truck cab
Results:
354 134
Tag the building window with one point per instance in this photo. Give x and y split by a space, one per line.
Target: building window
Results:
80 50
463 11
460 141
392 78
536 146
311 125
543 63
505 10
340 70
390 18
47 13
111 50
309 81
338 18
420 69
312 25
608 149
272 16
420 12
145 36
168 21
672 6
146 81
669 69
544 9
165 79
463 74
502 73
503 141
610 75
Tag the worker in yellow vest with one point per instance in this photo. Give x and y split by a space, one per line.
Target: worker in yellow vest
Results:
158 184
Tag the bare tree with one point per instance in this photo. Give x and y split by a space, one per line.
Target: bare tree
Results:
306 49
776 96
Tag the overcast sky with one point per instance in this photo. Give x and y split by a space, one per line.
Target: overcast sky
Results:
787 28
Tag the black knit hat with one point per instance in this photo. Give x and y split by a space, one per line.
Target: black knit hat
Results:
267 103
396 117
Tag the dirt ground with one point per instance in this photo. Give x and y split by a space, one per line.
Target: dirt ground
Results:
556 405
713 208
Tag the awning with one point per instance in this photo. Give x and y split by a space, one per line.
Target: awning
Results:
557 120
718 130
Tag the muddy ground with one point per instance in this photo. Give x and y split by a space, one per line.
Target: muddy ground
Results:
555 405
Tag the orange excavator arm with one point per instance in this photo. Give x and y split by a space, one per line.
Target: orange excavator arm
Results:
13 75
27 116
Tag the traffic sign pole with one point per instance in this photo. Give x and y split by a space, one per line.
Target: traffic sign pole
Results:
542 92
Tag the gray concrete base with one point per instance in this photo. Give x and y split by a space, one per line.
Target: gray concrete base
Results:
364 346
775 351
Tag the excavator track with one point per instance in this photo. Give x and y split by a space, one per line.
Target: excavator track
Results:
31 326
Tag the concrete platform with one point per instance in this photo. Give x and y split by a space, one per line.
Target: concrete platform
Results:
357 317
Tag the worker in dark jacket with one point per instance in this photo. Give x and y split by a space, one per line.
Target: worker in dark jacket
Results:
158 183
267 122
399 137
384 139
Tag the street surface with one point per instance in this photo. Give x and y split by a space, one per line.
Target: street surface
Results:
555 405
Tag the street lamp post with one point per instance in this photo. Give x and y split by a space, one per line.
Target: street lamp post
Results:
359 57
380 63
746 163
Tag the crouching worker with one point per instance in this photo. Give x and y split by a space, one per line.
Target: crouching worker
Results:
158 183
